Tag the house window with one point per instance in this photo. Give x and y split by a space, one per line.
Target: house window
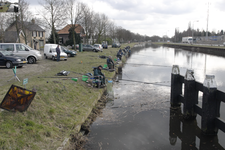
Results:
40 34
34 34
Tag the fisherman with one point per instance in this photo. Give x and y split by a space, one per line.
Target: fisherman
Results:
58 53
99 75
129 52
110 63
119 54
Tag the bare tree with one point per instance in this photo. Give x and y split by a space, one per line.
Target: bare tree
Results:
22 18
3 24
111 30
102 22
75 11
88 23
55 14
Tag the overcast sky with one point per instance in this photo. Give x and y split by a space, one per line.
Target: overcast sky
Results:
159 17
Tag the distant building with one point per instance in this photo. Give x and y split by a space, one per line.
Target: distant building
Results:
64 33
32 33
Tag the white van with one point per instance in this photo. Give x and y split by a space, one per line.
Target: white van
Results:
22 50
50 52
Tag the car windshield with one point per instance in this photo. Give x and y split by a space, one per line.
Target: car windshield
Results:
28 47
7 53
53 49
65 49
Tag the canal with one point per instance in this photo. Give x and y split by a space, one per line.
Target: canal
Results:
138 114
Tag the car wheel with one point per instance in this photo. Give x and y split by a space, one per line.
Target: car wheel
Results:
94 50
53 58
69 55
31 60
65 59
46 57
8 64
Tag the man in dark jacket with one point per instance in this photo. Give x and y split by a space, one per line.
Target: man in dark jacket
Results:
119 54
58 53
99 75
110 63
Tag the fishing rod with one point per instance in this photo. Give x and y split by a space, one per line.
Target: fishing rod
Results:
58 77
148 65
154 83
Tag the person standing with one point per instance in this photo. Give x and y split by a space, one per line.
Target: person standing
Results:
110 63
58 53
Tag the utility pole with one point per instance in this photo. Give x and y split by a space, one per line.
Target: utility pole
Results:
193 31
207 23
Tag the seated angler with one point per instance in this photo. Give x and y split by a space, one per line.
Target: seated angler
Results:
119 54
110 63
99 75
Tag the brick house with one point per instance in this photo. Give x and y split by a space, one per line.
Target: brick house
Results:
64 33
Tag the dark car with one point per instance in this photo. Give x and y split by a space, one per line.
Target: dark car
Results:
69 53
10 60
88 47
116 45
105 44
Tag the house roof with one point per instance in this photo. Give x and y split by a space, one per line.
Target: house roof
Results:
65 30
29 26
10 37
33 27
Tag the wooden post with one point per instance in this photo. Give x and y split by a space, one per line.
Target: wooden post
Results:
190 95
176 87
120 70
210 106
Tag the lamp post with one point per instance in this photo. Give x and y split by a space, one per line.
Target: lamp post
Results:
193 31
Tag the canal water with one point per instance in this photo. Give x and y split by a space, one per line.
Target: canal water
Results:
138 114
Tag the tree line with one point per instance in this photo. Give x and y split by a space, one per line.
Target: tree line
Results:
55 14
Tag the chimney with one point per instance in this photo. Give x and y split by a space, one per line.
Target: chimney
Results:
33 21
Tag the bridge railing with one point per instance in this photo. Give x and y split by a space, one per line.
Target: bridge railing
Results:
211 100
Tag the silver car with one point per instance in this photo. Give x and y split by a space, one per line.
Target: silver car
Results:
88 47
22 50
98 46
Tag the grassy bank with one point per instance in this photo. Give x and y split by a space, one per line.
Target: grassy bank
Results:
60 106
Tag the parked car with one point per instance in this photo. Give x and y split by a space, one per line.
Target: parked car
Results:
50 52
88 47
70 53
77 46
98 46
116 45
22 50
105 44
10 60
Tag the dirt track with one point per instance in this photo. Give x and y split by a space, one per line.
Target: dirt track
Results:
26 71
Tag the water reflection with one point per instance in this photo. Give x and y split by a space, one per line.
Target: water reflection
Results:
139 117
188 132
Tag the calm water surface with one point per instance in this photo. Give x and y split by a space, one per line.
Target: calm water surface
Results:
139 115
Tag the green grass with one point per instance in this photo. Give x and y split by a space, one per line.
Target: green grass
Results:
60 105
